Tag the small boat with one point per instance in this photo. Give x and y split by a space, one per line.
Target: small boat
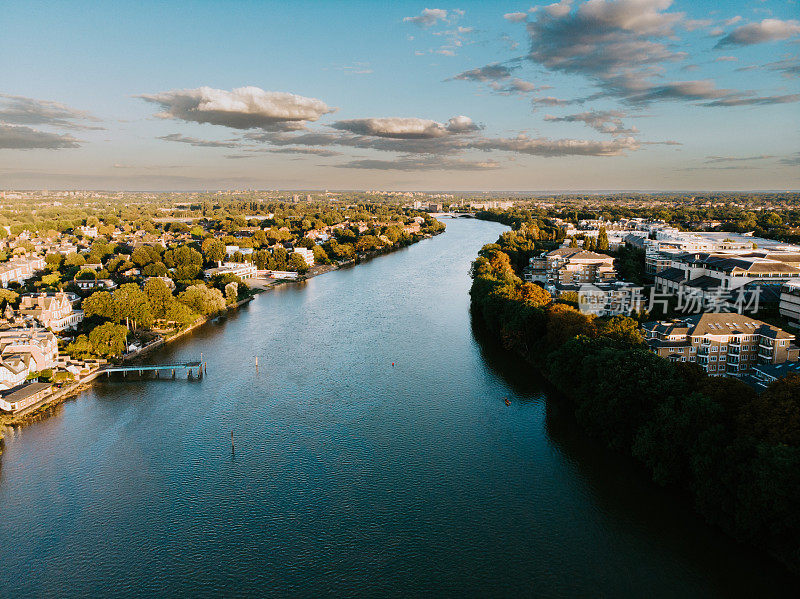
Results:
508 403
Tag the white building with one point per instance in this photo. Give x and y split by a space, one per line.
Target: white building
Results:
52 311
243 270
20 270
306 254
23 351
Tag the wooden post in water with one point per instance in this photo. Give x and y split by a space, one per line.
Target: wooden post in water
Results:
233 448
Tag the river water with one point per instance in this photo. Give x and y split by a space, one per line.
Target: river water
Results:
350 476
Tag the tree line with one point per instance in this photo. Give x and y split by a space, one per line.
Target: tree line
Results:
736 453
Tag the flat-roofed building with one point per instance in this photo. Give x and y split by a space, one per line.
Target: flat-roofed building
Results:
789 306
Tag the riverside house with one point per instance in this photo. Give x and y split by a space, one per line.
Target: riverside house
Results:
53 311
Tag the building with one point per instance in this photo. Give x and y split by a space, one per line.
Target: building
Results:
604 299
20 270
243 270
23 351
570 266
789 303
52 311
723 343
764 374
89 284
727 272
24 396
88 231
305 254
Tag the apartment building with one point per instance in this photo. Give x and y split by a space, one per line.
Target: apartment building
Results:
727 271
722 343
789 303
305 254
570 266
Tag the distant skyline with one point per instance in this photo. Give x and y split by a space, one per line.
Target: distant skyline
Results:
596 95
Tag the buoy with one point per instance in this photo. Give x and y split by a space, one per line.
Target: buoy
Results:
392 363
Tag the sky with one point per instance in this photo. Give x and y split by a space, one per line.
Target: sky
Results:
471 96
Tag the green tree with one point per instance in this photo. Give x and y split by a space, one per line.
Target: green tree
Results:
213 250
159 296
602 240
202 299
108 339
132 305
100 303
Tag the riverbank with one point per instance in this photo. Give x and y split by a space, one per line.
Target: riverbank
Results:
713 439
40 408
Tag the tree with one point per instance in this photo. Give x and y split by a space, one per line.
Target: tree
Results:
213 250
534 295
621 328
100 303
133 305
602 240
81 348
159 296
297 263
74 259
108 339
320 255
202 299
9 296
231 292
573 243
51 280
179 313
141 256
54 261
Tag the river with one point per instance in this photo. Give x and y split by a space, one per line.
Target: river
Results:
351 475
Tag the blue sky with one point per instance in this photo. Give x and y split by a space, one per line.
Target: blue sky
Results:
604 94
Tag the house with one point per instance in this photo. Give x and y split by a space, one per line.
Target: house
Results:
88 231
724 343
20 270
88 284
24 396
54 311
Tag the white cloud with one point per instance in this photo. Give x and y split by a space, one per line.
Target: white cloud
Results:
768 30
428 17
241 108
406 128
515 17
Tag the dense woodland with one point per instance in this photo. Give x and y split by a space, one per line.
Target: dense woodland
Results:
734 452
